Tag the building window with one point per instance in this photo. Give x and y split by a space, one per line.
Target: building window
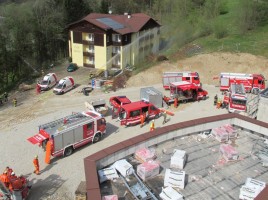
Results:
108 38
91 49
116 38
116 49
91 37
125 38
91 60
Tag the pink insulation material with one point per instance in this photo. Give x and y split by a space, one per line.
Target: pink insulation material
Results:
220 134
148 169
145 154
228 152
232 132
110 197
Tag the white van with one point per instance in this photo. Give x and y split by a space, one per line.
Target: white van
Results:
49 81
64 85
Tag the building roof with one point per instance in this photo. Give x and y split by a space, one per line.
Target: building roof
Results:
122 24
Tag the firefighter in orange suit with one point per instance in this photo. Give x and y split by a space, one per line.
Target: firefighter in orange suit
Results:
152 126
176 102
142 119
4 178
36 165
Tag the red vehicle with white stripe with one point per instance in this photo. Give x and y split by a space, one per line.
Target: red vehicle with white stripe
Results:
236 98
69 133
171 77
130 114
252 82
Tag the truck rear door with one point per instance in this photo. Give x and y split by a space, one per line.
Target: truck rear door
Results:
88 130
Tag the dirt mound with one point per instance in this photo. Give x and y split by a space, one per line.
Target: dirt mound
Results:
207 65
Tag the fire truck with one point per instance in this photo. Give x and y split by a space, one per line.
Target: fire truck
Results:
116 102
130 114
235 98
69 133
252 82
171 77
185 91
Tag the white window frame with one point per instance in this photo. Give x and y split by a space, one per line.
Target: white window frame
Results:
91 37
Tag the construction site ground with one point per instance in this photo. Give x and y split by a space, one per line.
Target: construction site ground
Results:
60 179
208 174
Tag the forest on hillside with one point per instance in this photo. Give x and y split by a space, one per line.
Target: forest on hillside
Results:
33 33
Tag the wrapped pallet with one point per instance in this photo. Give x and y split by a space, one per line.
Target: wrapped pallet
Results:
110 197
232 132
169 193
228 152
107 174
251 189
123 167
220 134
174 179
178 159
148 169
145 154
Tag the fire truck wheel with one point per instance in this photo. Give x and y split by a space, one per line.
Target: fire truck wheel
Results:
204 97
156 116
68 151
97 138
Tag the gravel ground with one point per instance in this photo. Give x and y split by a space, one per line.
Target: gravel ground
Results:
60 179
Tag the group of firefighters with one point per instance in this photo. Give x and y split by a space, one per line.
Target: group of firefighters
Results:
13 182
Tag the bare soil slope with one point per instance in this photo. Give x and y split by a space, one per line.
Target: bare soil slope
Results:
207 65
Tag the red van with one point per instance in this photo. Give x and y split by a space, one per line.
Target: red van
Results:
116 102
130 113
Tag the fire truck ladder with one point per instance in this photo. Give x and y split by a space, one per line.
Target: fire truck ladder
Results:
252 105
139 191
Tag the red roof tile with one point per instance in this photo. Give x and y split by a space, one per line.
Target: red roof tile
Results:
131 25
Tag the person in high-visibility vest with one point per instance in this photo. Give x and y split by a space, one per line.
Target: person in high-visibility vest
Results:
176 102
36 165
142 118
152 126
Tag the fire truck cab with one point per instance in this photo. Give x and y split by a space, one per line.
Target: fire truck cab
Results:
69 133
252 82
171 77
130 114
116 102
186 91
236 98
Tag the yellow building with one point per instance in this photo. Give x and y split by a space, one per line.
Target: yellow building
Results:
105 41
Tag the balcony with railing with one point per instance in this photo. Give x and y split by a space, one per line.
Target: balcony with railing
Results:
116 65
88 53
89 65
88 42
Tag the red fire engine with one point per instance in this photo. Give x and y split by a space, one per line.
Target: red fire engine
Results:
235 98
130 114
252 82
171 77
69 133
186 91
116 102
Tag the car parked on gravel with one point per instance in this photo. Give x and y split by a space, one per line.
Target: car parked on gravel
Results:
72 67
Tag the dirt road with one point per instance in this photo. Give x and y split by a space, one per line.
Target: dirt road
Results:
60 179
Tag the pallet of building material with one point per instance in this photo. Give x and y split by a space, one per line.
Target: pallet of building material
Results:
169 193
110 197
145 154
107 174
123 167
232 132
178 159
174 179
251 189
228 152
220 134
148 169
